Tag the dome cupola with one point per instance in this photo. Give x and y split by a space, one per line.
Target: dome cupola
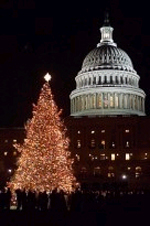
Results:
107 83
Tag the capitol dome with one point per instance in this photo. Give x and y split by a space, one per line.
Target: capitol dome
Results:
107 57
107 83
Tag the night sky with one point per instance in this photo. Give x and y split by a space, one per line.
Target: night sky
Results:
41 37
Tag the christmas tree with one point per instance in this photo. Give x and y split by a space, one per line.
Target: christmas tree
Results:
45 162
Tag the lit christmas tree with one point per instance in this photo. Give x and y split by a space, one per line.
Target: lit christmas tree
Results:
45 162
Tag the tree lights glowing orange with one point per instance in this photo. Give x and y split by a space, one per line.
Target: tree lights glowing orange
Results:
45 162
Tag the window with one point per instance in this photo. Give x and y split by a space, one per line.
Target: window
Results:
77 157
92 144
111 175
113 144
127 131
127 156
138 170
14 153
102 144
79 132
111 171
97 170
102 157
91 157
92 132
127 144
83 170
110 168
112 157
5 153
78 143
102 131
145 156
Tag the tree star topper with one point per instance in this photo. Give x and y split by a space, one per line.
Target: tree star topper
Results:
47 77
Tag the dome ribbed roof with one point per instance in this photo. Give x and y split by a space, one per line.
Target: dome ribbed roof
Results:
107 57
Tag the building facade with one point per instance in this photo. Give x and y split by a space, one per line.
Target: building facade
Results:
107 123
108 129
8 154
110 149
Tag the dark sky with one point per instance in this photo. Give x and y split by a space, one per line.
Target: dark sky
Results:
55 37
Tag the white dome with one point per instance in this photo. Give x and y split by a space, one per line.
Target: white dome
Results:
107 83
107 57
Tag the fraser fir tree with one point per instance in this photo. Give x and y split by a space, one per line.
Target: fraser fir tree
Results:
45 162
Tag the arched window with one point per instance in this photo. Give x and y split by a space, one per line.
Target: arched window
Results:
97 171
121 80
111 172
110 168
111 80
105 79
85 81
83 169
138 171
116 78
78 144
89 81
102 144
99 81
94 80
92 143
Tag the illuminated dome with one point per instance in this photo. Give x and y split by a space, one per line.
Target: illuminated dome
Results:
107 83
107 57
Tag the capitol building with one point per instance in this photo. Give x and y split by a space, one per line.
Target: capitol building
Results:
107 83
107 127
107 122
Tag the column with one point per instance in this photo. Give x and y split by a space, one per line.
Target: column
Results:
113 79
120 100
97 78
108 79
102 98
102 79
119 79
75 104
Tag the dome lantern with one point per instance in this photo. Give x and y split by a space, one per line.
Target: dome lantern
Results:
106 33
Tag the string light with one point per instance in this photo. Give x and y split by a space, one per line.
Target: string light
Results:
45 162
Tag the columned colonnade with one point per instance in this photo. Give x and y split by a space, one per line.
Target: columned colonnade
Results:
110 77
107 100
